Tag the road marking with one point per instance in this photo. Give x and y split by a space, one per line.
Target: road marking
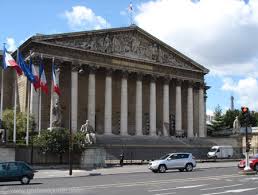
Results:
221 187
232 191
182 187
166 193
145 183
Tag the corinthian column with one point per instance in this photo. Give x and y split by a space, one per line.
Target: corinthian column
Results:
74 99
138 104
165 106
178 107
153 107
201 111
91 97
190 110
124 105
108 104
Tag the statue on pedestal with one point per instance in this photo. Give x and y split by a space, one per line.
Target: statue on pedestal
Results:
56 111
90 136
236 126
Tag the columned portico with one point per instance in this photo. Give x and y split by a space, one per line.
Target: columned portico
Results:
91 97
178 107
124 105
190 132
138 105
201 111
153 106
74 100
108 104
165 107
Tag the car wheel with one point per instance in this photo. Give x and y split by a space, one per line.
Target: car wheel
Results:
25 180
188 167
181 170
256 167
162 168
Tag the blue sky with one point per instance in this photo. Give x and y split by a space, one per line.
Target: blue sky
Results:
219 34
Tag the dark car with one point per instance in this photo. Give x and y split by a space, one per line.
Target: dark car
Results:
16 171
253 161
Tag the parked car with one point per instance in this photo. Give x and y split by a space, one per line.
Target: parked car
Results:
16 171
180 161
220 152
253 161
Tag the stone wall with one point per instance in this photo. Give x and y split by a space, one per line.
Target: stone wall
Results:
7 154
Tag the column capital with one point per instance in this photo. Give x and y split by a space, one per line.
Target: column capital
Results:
190 83
139 76
166 79
179 82
75 66
125 74
109 71
153 78
92 69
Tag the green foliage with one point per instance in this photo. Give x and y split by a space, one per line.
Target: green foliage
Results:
230 116
253 119
79 141
218 122
55 141
21 124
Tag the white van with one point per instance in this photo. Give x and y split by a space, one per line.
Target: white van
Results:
220 152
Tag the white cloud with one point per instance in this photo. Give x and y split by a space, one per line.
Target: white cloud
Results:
83 18
246 90
219 34
11 45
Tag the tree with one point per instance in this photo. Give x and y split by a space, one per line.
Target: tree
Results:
218 122
253 119
55 141
229 117
21 124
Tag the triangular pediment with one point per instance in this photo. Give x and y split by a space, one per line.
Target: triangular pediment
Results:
131 42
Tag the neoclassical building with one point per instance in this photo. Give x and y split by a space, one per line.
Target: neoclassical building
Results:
123 80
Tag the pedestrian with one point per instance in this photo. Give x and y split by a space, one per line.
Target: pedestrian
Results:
122 159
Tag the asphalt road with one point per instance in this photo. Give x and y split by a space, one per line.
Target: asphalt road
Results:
201 181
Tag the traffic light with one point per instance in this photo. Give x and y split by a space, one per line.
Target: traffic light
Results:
248 146
246 115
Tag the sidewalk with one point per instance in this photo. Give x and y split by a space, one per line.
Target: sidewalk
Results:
54 173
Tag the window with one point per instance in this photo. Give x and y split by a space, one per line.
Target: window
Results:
13 167
184 155
3 167
218 150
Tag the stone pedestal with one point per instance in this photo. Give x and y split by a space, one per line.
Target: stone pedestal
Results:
93 158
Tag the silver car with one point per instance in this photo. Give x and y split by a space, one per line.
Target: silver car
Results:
180 161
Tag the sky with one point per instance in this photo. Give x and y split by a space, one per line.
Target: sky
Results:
222 35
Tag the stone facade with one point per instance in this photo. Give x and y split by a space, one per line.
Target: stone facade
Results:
125 81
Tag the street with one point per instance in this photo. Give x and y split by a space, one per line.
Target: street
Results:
201 181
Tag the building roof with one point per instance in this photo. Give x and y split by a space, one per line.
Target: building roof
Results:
50 39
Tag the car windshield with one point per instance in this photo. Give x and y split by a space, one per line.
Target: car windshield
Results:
164 157
213 150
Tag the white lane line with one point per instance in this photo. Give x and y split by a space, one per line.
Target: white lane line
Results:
221 187
166 193
182 187
231 191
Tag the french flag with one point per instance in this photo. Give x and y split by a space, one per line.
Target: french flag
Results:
8 61
55 85
36 84
42 78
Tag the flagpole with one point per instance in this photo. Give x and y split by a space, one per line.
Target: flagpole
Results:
51 103
39 118
28 109
2 96
15 100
